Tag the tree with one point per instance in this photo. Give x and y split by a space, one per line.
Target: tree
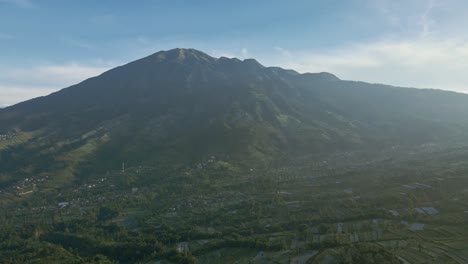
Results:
106 213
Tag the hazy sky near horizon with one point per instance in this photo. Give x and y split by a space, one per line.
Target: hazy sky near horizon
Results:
47 45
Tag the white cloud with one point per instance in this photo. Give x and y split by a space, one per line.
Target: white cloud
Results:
54 75
143 40
423 63
284 52
244 52
389 16
417 17
10 95
25 83
426 21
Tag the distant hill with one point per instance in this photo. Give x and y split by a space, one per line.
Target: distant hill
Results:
176 108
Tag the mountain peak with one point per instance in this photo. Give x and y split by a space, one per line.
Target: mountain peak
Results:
178 106
183 55
322 76
189 56
253 63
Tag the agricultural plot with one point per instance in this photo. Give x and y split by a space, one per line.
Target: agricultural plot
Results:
286 216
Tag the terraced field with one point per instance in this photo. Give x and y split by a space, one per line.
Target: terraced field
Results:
283 215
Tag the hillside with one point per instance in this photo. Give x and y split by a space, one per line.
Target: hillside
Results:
176 108
180 157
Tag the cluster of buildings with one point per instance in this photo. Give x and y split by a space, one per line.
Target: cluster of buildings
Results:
27 185
7 135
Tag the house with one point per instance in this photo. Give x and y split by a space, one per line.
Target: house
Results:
63 204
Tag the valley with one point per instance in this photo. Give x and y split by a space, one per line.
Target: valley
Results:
409 208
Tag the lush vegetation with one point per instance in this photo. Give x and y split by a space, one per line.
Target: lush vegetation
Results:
184 158
331 210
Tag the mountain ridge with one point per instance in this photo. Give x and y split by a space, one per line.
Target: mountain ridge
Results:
180 106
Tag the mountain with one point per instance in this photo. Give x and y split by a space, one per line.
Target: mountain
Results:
180 157
177 108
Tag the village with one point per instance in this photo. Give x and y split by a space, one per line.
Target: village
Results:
286 214
8 135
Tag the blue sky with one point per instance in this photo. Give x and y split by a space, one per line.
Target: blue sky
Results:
46 45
